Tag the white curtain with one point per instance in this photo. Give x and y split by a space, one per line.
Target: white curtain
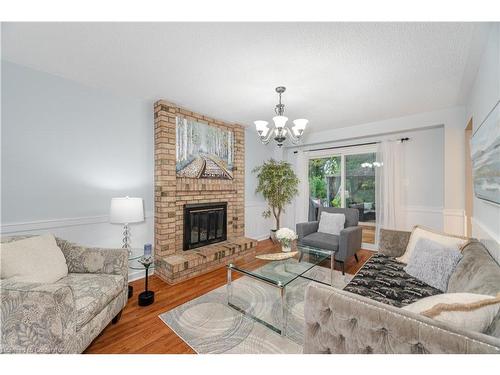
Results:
388 185
302 200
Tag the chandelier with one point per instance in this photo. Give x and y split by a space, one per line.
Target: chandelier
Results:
281 132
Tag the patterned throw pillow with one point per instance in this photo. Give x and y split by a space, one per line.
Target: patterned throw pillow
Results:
433 263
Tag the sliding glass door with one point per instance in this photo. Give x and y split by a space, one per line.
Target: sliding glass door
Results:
360 191
345 179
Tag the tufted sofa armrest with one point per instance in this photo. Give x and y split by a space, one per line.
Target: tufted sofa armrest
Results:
341 322
37 318
81 259
304 229
393 242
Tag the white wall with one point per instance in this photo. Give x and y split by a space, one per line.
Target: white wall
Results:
483 98
452 120
422 198
67 149
256 153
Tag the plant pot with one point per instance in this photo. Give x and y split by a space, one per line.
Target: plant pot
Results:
286 249
272 235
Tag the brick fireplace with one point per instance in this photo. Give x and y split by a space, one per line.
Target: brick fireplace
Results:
175 261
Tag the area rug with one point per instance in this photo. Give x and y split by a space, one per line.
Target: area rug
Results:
208 325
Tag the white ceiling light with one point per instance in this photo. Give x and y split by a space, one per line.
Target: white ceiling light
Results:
280 132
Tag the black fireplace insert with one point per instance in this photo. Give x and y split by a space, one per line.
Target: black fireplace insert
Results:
204 224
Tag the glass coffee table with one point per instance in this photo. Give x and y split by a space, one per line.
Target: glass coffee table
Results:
289 270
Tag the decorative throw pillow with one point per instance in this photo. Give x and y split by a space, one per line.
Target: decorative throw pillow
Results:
468 311
331 223
447 240
35 259
433 263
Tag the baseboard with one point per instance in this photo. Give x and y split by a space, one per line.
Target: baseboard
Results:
138 274
262 238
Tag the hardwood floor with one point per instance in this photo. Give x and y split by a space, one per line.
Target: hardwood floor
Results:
140 330
368 233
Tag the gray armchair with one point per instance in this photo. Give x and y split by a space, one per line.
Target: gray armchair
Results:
345 245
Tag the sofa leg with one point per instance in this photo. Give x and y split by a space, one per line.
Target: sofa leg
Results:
356 257
117 317
343 268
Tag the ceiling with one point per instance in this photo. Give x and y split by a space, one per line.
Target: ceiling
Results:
336 74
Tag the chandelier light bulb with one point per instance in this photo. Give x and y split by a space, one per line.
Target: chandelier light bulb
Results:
280 132
280 121
260 125
300 124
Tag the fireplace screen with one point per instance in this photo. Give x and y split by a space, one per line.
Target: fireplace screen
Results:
204 224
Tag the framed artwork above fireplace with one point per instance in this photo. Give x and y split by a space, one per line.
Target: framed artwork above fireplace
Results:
203 151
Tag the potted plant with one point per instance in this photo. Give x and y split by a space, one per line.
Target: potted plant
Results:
278 184
285 237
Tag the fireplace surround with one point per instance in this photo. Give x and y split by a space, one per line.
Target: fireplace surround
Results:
204 224
175 263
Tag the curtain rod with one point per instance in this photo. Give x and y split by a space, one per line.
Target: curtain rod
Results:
357 144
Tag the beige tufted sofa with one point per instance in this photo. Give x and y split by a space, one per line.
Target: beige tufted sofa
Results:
341 322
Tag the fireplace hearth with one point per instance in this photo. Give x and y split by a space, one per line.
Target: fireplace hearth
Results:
204 224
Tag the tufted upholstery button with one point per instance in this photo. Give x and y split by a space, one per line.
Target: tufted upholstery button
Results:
383 331
353 321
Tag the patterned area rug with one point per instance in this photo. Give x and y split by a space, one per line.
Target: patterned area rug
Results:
208 325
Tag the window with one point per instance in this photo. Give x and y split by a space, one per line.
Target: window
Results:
345 179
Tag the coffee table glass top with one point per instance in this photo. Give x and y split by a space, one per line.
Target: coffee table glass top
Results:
282 272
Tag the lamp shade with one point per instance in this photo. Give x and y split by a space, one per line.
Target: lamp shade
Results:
260 125
280 121
126 210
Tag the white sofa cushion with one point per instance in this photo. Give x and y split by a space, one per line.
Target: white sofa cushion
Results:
448 241
35 259
331 223
468 311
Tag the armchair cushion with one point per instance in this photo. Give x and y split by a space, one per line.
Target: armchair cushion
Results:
92 292
321 240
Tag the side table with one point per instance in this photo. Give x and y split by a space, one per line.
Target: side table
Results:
147 297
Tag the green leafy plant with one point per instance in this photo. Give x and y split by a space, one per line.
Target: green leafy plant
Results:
278 184
336 201
317 187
